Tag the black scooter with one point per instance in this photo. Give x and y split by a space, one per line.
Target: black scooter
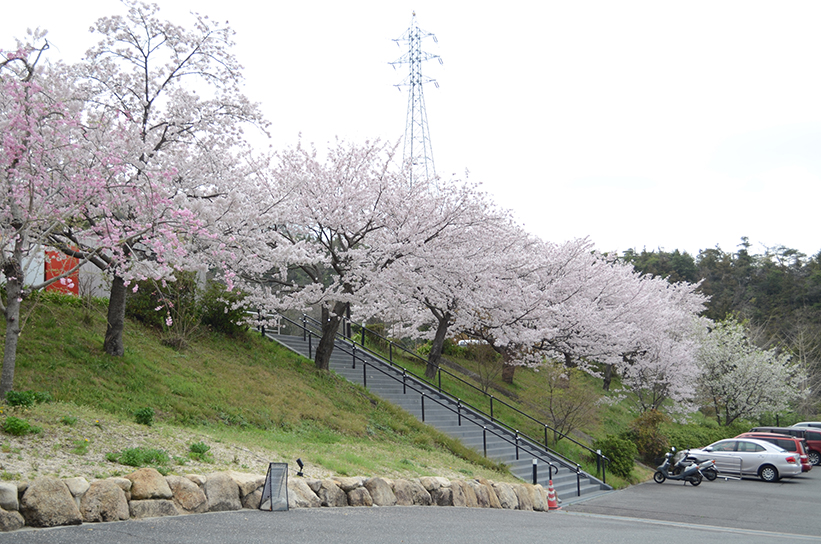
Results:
686 473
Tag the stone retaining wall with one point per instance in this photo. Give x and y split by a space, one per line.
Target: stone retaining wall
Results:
50 502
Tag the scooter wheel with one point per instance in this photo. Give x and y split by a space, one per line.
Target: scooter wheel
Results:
710 474
659 477
695 480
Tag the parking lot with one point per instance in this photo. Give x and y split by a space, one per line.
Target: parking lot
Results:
789 506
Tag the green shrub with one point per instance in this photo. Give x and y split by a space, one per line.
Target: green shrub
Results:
27 399
170 306
645 432
698 436
19 427
199 452
140 457
144 416
221 311
620 452
199 447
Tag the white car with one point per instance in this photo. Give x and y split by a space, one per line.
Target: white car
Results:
751 457
816 424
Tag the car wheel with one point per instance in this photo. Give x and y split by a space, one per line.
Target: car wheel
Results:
768 473
815 458
659 477
710 474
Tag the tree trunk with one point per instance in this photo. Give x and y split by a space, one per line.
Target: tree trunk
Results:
508 368
113 344
507 372
437 346
330 324
608 377
14 292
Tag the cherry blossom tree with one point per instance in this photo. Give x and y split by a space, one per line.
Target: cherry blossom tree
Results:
175 96
433 289
741 380
47 171
659 366
314 230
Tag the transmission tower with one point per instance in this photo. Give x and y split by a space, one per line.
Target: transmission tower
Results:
416 149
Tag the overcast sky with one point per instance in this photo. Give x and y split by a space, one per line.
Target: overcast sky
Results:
656 124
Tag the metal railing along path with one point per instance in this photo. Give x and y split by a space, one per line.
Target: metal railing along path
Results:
435 406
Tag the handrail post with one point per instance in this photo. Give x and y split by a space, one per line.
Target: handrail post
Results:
459 411
484 439
491 408
423 406
578 480
404 382
304 327
535 471
517 445
353 353
545 436
310 348
439 372
364 373
390 352
364 330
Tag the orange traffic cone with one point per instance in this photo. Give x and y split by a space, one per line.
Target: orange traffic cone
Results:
552 500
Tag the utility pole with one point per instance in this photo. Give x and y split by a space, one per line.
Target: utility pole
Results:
416 151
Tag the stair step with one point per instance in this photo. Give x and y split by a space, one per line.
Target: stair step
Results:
388 383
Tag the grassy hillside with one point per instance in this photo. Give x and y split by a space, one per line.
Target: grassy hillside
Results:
248 400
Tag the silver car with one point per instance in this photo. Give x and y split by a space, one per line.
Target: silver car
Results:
816 424
751 457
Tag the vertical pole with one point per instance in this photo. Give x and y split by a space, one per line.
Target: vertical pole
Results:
517 445
545 437
491 408
423 407
364 374
599 467
578 481
484 439
353 354
404 383
459 411
535 471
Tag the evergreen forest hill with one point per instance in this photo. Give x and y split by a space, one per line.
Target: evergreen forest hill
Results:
778 293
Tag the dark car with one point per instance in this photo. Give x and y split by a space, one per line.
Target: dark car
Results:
789 443
811 436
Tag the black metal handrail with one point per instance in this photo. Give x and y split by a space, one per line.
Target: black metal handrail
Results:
601 460
491 398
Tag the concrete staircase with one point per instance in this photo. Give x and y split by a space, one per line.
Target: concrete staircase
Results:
446 414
